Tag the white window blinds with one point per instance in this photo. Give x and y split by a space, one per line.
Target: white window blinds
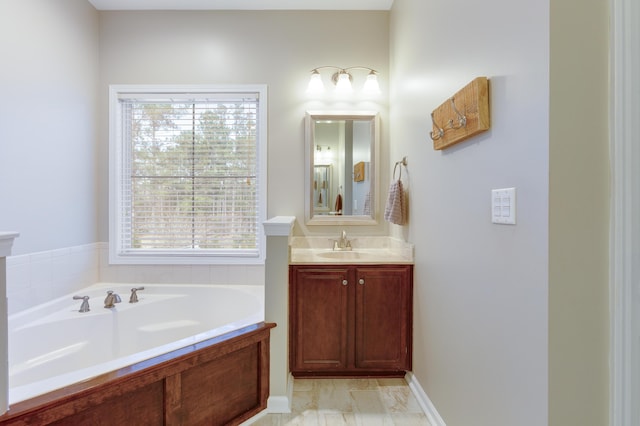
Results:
189 175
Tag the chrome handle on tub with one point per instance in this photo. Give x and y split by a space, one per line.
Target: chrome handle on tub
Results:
134 294
361 281
345 282
84 307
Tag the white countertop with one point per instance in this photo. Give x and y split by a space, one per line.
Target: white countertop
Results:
366 250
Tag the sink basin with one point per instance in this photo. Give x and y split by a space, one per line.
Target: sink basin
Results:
355 256
340 255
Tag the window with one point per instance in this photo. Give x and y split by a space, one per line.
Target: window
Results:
187 174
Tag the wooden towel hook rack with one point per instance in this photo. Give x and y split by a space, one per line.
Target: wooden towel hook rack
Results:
463 115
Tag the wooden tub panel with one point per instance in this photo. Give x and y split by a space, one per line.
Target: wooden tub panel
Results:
141 407
221 381
203 403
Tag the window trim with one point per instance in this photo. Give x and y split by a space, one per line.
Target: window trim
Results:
115 167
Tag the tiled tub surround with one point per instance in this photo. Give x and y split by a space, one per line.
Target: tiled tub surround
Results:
35 278
365 250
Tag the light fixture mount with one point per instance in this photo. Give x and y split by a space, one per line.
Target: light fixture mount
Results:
336 76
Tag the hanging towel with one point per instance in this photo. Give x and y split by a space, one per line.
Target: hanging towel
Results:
338 206
394 211
367 205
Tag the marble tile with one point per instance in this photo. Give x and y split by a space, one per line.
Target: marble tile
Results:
347 419
349 402
308 418
304 401
368 402
398 398
268 420
335 400
305 384
409 419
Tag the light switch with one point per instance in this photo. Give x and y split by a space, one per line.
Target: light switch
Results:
503 206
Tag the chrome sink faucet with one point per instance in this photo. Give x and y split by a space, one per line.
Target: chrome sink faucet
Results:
343 243
111 299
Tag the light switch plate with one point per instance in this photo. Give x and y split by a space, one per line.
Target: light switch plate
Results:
503 206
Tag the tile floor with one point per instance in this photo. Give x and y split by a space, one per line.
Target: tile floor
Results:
357 402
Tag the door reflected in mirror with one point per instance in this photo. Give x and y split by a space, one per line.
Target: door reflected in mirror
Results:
321 188
341 151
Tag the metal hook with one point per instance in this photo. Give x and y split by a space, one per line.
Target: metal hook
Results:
462 119
440 130
400 163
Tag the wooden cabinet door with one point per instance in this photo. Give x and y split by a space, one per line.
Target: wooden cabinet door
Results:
383 317
319 322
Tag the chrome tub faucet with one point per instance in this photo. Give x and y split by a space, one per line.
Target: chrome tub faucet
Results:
111 299
84 307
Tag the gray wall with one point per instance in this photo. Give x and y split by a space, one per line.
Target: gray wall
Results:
48 81
480 298
502 313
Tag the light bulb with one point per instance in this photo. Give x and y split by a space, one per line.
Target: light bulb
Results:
371 84
343 85
315 83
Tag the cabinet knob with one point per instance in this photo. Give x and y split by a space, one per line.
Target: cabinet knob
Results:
345 282
361 281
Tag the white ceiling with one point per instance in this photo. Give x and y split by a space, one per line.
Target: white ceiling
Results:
242 4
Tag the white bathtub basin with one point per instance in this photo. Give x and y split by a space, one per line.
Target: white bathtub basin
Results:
53 345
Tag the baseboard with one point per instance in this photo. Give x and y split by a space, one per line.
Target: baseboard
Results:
278 404
281 403
427 406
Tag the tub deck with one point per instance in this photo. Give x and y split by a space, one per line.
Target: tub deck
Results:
220 381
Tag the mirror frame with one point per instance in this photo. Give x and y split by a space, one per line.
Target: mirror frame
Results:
310 118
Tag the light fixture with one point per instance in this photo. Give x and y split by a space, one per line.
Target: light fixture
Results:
342 79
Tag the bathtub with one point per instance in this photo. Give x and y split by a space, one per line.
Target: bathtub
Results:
53 345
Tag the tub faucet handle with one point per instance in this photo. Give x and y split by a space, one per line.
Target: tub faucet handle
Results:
134 294
111 299
84 307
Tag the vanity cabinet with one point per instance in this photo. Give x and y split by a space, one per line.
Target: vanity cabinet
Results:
350 320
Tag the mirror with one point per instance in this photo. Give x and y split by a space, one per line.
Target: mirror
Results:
341 150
